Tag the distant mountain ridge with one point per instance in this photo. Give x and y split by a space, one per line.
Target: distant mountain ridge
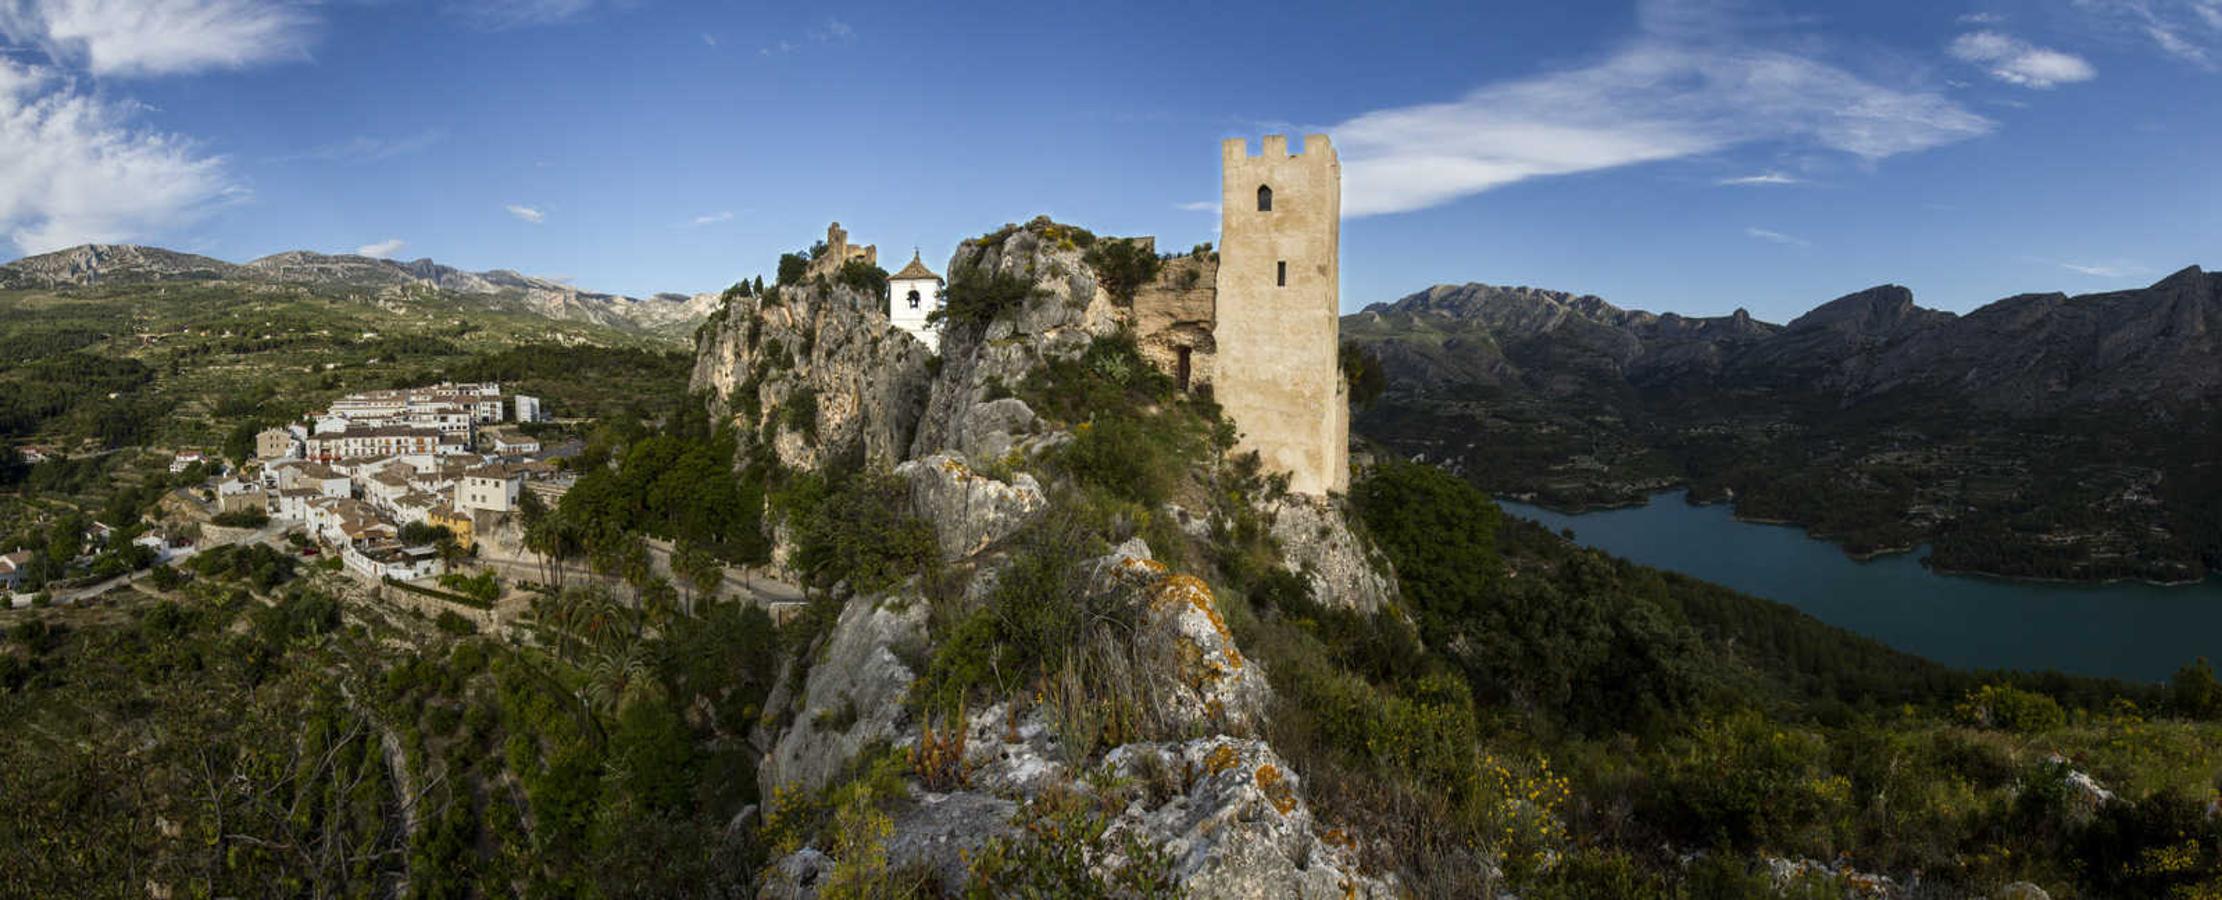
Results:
100 264
2157 347
2040 435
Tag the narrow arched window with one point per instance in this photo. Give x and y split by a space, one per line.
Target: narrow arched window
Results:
1265 198
913 299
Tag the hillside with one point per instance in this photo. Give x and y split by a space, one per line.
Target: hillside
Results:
189 363
669 315
2040 435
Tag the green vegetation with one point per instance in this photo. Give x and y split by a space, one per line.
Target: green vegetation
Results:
975 296
1122 266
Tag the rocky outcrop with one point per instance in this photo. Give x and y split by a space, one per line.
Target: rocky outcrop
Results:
852 697
817 373
1317 542
1203 677
982 361
969 511
1238 825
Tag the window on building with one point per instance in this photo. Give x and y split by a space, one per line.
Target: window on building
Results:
1281 276
1184 367
913 299
1265 199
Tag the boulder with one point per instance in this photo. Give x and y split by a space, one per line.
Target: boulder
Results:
852 697
1237 825
1202 677
938 831
796 876
969 511
1316 541
991 428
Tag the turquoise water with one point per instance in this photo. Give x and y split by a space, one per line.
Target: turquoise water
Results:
2134 631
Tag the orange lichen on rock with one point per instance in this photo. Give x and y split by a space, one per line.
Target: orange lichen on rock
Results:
1221 759
1276 788
1192 591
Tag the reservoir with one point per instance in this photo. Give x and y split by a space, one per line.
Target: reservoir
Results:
2125 630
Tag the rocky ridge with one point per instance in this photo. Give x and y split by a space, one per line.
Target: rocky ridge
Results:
1205 797
121 264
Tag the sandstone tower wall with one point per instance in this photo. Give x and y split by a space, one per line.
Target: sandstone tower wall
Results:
1277 334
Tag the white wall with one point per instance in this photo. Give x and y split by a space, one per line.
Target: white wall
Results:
900 312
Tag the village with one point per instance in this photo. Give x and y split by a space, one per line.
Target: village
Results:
396 484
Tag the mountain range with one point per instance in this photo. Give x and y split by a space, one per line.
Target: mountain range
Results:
2042 434
108 264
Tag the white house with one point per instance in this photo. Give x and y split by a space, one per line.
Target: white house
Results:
515 444
528 408
397 563
186 460
912 295
492 488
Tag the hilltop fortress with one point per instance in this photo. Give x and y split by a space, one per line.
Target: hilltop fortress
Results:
1255 326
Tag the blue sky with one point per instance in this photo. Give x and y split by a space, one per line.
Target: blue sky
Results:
1685 155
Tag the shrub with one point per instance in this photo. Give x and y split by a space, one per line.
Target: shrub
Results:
2193 693
864 278
1122 267
975 296
791 268
860 530
2010 709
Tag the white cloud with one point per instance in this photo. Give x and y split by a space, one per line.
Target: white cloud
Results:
723 215
160 37
832 31
2015 61
1776 237
1982 18
709 39
384 248
1688 86
362 149
501 14
1761 179
2115 269
1210 206
2189 30
526 213
74 169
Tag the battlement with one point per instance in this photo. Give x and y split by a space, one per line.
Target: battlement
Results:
1275 147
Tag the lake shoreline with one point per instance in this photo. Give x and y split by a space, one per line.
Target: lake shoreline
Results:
1849 553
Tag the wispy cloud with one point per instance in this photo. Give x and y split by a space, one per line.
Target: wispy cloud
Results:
526 213
496 15
160 37
722 215
1210 206
2115 269
831 31
2189 30
1982 18
1690 84
2015 61
383 249
74 168
1760 180
709 39
1776 237
363 149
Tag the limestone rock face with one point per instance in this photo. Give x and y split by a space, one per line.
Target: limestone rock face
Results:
968 510
852 697
1316 539
991 428
1066 311
1238 826
817 373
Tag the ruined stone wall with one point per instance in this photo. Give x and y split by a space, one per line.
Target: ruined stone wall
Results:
1176 312
1274 370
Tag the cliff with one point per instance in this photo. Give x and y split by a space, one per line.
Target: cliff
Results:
1063 621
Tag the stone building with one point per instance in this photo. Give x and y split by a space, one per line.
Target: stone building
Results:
912 295
1173 318
1276 325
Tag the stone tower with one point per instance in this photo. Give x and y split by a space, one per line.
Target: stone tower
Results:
1278 322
